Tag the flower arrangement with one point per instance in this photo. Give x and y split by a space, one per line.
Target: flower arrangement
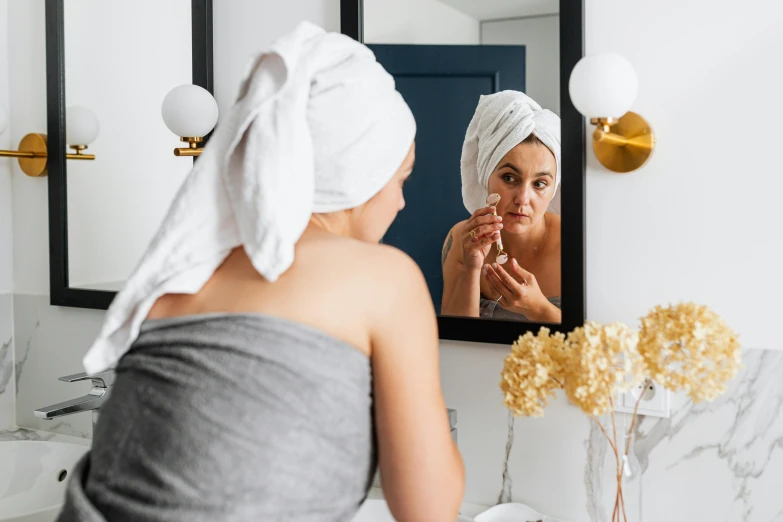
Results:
685 348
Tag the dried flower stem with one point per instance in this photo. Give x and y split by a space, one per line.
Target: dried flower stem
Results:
604 431
616 510
622 503
618 500
633 418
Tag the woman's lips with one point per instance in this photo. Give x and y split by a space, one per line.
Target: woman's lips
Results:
515 215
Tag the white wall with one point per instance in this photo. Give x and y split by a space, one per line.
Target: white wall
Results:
541 37
700 221
497 9
417 22
7 388
27 109
6 199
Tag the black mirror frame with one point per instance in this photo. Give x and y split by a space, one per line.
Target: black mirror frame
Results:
61 294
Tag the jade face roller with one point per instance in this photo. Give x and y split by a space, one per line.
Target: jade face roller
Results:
502 257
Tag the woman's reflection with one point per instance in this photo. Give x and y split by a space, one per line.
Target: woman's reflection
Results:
512 148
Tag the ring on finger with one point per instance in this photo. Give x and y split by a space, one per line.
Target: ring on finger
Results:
499 298
473 234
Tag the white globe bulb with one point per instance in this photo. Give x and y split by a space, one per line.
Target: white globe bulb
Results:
3 120
603 86
81 125
189 111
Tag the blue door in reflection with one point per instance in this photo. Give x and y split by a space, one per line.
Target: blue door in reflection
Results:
442 85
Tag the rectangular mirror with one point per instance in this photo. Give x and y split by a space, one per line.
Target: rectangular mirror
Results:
116 202
523 147
103 212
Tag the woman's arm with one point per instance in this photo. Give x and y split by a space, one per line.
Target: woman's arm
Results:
465 293
421 469
549 313
461 284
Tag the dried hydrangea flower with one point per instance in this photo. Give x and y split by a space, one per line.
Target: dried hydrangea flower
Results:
602 360
689 348
532 371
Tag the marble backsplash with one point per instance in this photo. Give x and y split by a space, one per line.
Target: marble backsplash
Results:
713 461
50 343
7 384
719 460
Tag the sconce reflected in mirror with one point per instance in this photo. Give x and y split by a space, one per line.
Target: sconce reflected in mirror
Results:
190 112
33 153
603 87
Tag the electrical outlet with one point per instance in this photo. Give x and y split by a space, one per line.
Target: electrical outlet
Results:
655 402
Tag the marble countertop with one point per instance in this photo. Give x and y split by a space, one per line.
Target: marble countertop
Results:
38 435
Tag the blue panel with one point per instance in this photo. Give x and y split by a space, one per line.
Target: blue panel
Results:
442 85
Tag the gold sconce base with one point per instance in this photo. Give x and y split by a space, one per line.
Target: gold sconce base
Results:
192 149
34 163
33 154
623 145
79 154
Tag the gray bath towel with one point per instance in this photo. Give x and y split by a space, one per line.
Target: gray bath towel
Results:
230 417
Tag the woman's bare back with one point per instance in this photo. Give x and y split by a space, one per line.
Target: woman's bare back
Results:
330 286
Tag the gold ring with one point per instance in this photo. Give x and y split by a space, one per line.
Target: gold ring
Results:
473 234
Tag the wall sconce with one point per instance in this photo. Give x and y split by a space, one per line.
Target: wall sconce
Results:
81 130
603 87
190 112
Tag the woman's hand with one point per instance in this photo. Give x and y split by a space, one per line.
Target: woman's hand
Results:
478 234
520 292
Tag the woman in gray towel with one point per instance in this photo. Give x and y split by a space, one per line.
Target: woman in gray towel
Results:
259 400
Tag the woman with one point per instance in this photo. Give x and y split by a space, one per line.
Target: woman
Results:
267 340
512 148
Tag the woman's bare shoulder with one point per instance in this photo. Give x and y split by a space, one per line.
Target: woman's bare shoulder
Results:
388 278
355 287
365 263
453 241
457 228
389 262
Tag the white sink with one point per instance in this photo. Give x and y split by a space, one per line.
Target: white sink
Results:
33 475
33 478
375 509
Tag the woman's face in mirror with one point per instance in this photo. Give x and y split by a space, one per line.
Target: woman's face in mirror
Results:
525 180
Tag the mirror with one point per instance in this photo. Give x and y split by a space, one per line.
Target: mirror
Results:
116 202
101 225
485 83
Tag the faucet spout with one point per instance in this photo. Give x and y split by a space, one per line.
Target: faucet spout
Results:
92 401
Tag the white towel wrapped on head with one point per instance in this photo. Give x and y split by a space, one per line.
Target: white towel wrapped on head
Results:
318 127
501 122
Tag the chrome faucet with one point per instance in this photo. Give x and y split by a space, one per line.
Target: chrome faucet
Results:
452 414
101 387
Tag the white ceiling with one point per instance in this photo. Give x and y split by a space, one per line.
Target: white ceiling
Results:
493 9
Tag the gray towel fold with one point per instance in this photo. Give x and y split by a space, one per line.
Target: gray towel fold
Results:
232 417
